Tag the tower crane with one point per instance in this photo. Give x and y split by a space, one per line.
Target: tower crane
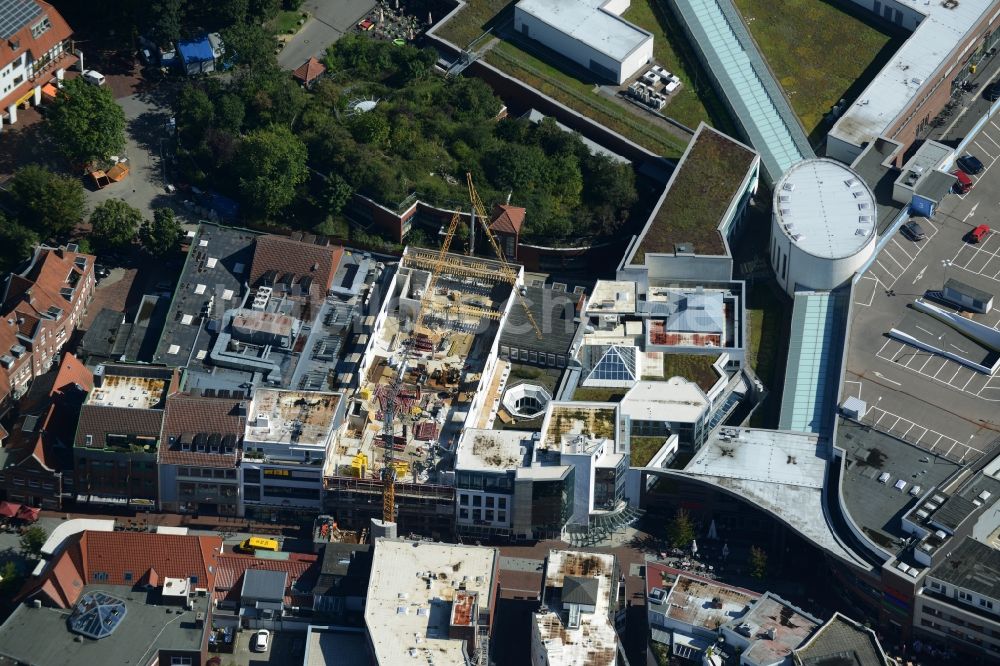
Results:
508 273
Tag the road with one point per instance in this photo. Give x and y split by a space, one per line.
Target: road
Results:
328 20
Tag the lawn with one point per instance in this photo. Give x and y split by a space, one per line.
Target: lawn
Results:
285 23
696 100
471 21
598 394
580 96
694 367
770 317
818 52
703 188
643 449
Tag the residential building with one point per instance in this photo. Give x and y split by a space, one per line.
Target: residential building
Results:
505 224
842 638
342 583
36 462
582 612
295 266
285 444
259 593
42 305
591 33
117 598
35 50
118 435
434 602
199 455
768 631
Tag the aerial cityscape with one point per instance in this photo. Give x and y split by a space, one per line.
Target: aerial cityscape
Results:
499 333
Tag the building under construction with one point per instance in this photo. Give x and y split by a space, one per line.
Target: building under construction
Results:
439 325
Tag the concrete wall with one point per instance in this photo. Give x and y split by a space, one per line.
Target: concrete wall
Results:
689 267
796 269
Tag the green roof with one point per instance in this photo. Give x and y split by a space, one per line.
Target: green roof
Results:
707 179
696 368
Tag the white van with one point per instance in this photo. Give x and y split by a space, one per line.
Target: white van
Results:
93 77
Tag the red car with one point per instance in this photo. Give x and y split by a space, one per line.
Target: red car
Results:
963 183
977 234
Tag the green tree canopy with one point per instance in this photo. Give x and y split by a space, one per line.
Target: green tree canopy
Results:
16 243
32 541
86 122
161 235
681 530
270 165
758 562
115 224
48 204
195 113
165 18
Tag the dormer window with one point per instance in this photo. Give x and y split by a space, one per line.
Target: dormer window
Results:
41 27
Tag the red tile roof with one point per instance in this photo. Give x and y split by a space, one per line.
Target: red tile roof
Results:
309 70
106 557
72 372
38 46
507 219
229 576
186 416
283 255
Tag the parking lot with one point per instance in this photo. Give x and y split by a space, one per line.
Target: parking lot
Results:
934 402
284 649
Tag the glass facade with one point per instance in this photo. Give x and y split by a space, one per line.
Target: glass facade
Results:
551 505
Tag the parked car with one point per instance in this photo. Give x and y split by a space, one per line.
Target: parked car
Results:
260 640
101 271
93 77
970 164
963 182
992 91
913 231
979 233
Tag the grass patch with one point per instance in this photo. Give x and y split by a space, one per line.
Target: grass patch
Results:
696 101
580 96
818 52
769 318
471 21
643 449
704 186
598 394
285 23
694 367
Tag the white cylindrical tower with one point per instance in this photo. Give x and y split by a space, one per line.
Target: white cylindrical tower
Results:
822 225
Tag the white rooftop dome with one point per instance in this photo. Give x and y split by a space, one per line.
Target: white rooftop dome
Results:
825 208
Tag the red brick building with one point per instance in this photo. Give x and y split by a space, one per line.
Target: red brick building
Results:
41 307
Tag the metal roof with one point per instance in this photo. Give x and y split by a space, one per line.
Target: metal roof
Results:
825 208
264 585
588 22
819 321
744 79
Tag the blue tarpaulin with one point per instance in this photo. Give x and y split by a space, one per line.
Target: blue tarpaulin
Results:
196 56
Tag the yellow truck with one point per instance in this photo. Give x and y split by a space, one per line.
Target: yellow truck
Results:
258 543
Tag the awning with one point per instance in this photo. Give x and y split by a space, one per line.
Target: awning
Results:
50 91
28 513
9 509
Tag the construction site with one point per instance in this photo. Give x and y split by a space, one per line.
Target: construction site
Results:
426 375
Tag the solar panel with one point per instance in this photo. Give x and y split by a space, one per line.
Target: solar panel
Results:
15 14
97 615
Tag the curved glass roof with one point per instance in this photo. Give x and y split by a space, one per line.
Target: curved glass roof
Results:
97 615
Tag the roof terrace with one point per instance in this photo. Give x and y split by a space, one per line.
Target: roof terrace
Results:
292 417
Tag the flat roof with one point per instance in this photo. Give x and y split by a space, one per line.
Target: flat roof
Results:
825 209
791 627
553 311
878 507
406 617
118 389
144 630
911 71
676 400
841 638
291 417
689 599
588 22
335 646
594 641
493 450
973 566
707 179
597 420
613 297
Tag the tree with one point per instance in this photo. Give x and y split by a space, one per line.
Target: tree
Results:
161 235
758 562
229 112
681 529
195 113
336 193
86 122
370 127
32 541
270 165
16 244
115 224
165 20
47 204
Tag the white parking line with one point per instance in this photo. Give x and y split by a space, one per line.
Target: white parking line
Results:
943 440
985 152
991 139
902 250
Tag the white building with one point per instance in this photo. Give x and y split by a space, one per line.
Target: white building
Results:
589 32
430 603
823 226
583 608
284 445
